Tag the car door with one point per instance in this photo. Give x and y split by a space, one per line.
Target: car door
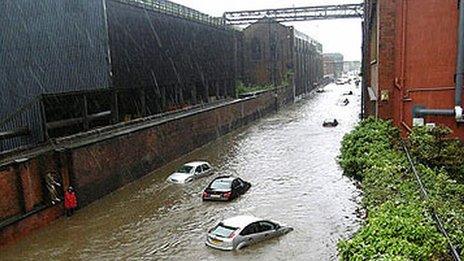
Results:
250 234
235 188
262 230
198 172
242 185
268 229
206 169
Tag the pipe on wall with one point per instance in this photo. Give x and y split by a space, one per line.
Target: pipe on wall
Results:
420 112
460 58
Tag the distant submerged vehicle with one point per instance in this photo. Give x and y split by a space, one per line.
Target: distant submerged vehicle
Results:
330 123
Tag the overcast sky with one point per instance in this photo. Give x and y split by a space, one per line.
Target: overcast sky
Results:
343 36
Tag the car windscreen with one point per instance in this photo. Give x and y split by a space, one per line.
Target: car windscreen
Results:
221 184
223 231
185 169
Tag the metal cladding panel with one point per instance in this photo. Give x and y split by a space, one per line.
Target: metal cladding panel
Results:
49 46
156 50
308 69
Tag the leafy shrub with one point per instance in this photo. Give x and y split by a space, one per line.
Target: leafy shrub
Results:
396 231
365 144
242 89
398 225
435 148
447 198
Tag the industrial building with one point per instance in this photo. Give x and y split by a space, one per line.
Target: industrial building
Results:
410 63
72 66
69 66
333 64
276 54
352 66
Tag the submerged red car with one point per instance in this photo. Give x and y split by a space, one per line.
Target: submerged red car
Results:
225 188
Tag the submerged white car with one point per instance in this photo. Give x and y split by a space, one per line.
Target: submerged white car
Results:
241 231
190 171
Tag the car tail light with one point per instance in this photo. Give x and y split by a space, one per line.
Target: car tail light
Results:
205 194
232 235
227 194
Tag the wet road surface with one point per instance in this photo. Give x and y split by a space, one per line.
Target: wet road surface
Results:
289 158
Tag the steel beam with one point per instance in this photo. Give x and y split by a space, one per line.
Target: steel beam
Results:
293 14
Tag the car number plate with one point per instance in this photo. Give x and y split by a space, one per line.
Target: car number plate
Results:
215 196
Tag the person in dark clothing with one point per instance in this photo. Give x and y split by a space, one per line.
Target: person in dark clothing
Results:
70 201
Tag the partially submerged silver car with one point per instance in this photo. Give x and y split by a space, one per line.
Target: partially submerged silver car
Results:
190 171
241 231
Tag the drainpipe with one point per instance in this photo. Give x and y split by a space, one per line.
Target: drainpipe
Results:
460 62
457 111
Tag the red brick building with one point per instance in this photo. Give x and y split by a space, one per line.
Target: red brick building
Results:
409 65
275 53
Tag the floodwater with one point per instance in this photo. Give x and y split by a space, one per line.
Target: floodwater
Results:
290 161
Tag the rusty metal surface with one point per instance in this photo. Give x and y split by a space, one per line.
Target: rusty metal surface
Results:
430 35
414 61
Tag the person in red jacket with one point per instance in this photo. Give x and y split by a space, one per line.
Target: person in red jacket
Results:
70 201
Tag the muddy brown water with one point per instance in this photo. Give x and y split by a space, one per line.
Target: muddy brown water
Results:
289 158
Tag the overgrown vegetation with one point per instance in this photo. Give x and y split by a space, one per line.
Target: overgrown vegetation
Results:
435 148
288 79
398 225
242 88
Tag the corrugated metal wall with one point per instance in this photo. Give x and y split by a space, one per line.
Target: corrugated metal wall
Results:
308 65
49 46
181 60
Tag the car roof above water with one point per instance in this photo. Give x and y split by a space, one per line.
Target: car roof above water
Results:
240 221
225 178
196 163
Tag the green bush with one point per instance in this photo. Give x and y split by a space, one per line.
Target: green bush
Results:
398 226
433 147
240 88
396 231
364 145
447 198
